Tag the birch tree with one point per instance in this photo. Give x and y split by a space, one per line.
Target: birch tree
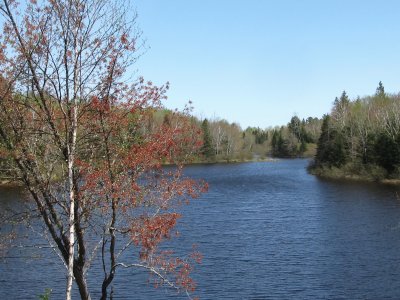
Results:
71 119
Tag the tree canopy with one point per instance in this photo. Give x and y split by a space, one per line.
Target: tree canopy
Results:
362 136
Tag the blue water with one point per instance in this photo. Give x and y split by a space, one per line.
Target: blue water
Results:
267 231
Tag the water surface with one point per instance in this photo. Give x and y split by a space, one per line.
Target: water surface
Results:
267 231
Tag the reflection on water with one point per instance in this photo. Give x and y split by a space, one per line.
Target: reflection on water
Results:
266 230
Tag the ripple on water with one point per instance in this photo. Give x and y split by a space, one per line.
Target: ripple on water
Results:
267 231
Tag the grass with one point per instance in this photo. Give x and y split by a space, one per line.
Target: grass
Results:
354 171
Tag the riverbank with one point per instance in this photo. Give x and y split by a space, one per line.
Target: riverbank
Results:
16 183
233 161
352 172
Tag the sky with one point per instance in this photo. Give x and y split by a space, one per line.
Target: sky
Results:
259 62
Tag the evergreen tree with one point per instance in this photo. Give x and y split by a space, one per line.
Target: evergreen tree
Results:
295 126
344 99
323 141
274 142
387 152
303 147
261 136
207 149
380 90
363 134
331 150
283 146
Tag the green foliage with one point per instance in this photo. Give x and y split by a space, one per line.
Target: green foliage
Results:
303 146
46 295
293 140
361 137
207 149
260 135
387 152
380 90
331 147
295 127
280 147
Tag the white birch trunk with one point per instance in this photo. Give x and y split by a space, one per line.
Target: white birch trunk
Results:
71 161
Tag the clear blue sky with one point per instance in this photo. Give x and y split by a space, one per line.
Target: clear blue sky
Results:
260 62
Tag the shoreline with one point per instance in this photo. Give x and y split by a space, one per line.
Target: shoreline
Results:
340 175
15 183
233 161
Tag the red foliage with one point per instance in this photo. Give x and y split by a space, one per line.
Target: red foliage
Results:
128 174
69 107
149 232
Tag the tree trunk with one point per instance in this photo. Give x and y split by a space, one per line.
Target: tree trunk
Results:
81 282
71 247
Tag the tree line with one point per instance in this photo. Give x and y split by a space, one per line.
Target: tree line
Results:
361 137
224 141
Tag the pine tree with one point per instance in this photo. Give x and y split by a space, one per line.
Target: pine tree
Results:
331 150
295 126
387 151
274 141
380 90
344 99
207 149
303 147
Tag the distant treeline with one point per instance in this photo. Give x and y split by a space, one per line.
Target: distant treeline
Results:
361 138
224 141
220 140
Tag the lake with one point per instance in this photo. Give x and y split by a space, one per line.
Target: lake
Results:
267 230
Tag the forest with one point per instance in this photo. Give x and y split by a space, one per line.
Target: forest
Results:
360 138
223 141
